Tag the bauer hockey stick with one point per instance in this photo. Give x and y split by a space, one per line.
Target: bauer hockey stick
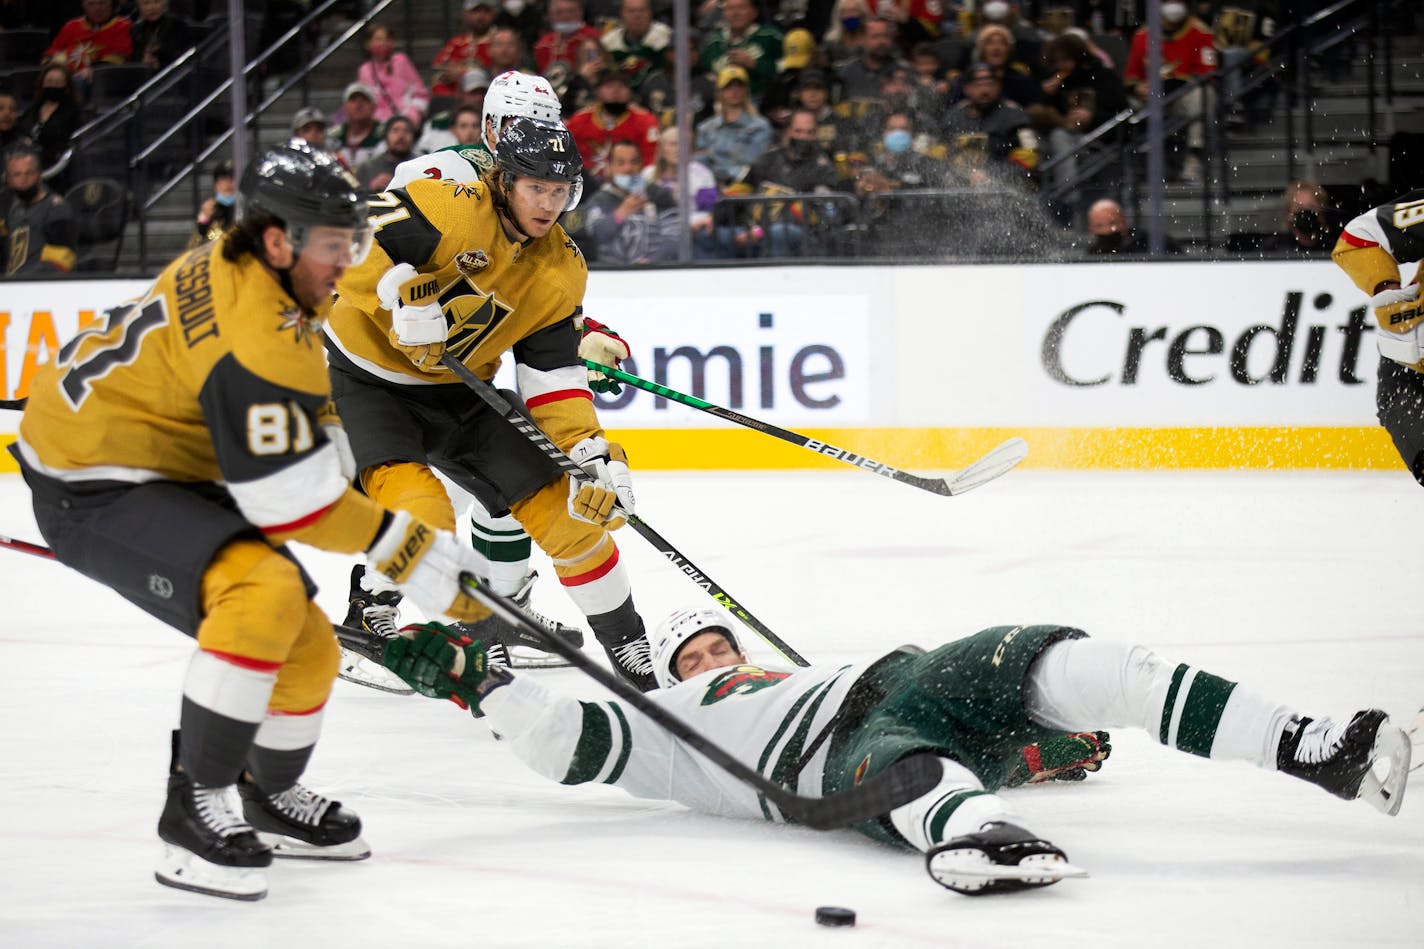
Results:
899 784
529 430
997 462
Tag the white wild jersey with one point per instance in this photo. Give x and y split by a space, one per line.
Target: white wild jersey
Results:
447 163
765 719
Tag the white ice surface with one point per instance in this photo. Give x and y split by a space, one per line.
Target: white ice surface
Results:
1302 585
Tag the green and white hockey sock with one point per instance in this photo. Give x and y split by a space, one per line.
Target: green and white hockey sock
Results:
504 547
958 805
1083 684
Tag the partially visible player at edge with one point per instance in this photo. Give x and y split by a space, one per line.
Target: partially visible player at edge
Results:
496 536
173 450
1370 250
975 702
476 271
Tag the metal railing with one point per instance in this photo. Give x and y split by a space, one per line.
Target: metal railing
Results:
1109 157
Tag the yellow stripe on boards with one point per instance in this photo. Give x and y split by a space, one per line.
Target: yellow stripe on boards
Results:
932 449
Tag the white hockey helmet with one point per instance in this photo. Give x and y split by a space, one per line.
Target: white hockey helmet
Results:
513 94
676 629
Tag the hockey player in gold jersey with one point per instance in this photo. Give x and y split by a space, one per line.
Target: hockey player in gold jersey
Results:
476 271
172 451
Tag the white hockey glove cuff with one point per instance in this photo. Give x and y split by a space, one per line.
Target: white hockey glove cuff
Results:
426 564
608 497
418 326
337 435
1400 315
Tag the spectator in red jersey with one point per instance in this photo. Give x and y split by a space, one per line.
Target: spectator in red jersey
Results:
466 49
1187 51
392 76
613 118
557 50
96 37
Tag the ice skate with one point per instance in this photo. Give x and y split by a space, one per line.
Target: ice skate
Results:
515 647
1342 757
633 661
208 847
301 824
1416 742
375 612
527 654
1000 858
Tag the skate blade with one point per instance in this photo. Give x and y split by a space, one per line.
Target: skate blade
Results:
183 870
1416 741
290 848
524 657
971 871
363 671
1387 794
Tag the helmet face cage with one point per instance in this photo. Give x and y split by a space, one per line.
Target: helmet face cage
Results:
513 95
533 148
674 631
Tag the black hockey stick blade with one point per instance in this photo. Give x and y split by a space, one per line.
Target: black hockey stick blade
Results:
999 461
363 642
899 784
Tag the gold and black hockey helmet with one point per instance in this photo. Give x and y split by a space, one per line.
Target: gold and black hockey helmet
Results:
535 148
304 188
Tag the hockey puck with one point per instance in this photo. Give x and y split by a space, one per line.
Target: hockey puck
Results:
835 916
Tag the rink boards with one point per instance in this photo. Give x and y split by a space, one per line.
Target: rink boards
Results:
1122 365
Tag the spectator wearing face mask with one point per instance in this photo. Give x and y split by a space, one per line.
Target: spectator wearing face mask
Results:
38 228
630 220
798 166
846 35
218 210
614 117
391 75
1305 223
556 52
52 117
1187 51
1111 233
1026 37
896 163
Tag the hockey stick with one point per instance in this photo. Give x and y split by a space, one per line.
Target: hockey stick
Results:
359 641
25 547
17 404
899 784
997 462
529 430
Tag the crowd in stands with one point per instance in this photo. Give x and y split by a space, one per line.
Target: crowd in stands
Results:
846 106
849 106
